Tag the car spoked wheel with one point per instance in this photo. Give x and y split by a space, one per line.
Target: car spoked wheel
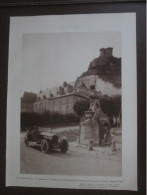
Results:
64 146
45 146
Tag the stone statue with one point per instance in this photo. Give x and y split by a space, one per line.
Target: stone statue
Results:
102 122
96 127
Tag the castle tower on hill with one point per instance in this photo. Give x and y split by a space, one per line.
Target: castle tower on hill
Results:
104 59
104 73
106 52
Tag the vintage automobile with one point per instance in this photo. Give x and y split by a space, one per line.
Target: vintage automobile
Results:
47 140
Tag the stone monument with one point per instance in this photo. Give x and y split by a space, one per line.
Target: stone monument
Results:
96 127
89 130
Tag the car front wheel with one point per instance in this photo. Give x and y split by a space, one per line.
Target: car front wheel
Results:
45 146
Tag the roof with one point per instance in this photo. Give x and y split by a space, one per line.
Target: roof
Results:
82 85
53 90
62 96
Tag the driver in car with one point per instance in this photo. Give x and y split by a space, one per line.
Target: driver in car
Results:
36 130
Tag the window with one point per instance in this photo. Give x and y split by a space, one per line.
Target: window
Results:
57 101
67 99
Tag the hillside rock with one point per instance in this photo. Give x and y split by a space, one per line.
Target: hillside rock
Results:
107 67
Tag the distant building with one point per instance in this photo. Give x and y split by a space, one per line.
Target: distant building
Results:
100 85
63 100
61 104
104 72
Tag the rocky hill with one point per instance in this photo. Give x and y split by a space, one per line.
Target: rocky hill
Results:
106 66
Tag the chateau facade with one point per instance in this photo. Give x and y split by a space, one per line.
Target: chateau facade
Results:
64 99
61 104
103 77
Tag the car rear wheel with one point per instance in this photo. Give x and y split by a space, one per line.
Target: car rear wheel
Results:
64 146
45 146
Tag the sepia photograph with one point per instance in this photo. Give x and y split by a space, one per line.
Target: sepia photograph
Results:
71 104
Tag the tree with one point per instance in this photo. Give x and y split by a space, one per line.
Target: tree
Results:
30 119
111 106
81 106
46 119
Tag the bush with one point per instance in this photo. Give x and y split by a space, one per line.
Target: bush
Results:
81 106
46 119
30 119
111 105
71 118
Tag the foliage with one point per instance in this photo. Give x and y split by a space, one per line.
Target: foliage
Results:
46 119
30 119
111 105
81 106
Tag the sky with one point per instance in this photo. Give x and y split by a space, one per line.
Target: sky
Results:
49 59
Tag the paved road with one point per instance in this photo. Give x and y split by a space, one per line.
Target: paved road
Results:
33 161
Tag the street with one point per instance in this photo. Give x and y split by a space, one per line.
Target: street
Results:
74 162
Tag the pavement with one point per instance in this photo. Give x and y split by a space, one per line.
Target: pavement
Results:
77 161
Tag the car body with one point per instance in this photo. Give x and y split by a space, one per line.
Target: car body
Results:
47 140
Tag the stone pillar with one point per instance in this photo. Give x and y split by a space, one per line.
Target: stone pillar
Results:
89 131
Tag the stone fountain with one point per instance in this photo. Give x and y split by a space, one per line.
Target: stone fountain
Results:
95 125
88 129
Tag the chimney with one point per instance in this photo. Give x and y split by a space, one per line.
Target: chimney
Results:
57 92
61 90
64 84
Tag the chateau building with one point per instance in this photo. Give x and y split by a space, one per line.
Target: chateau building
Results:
64 99
103 77
105 87
61 104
